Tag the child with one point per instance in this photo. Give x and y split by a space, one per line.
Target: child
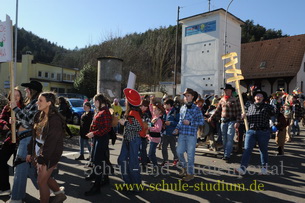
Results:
155 129
85 123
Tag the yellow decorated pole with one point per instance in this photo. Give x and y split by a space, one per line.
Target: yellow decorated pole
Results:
12 98
237 76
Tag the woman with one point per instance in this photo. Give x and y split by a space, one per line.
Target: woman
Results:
46 145
25 119
85 122
65 111
99 131
128 158
8 148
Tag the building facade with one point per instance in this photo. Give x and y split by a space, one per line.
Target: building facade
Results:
203 40
57 79
274 64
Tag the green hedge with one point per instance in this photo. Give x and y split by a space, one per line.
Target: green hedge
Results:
74 129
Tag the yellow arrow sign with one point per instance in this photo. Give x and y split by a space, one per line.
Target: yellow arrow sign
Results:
237 71
232 79
232 62
229 55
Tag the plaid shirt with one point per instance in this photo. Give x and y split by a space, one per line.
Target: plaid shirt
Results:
258 116
101 123
26 115
194 115
229 109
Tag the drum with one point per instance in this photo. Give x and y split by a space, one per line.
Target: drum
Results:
207 128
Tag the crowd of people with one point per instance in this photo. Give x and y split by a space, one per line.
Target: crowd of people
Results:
41 125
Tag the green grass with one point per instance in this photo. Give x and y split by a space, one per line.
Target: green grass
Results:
74 129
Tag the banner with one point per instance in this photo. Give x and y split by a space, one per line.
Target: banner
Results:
6 40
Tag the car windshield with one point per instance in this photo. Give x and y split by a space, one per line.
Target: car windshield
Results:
77 103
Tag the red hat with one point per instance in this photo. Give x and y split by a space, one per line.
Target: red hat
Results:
132 96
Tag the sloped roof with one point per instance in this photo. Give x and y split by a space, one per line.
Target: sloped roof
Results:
220 10
282 57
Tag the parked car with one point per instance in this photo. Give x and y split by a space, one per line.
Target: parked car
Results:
77 109
73 95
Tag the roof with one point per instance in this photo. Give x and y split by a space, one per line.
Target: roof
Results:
281 57
211 12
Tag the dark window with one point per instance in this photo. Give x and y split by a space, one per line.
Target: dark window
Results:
280 84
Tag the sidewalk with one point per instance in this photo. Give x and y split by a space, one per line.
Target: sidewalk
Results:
214 182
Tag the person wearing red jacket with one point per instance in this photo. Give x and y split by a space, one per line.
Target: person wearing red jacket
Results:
8 148
99 131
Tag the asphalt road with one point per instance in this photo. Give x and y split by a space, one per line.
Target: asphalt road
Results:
214 182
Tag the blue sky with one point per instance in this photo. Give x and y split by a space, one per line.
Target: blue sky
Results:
71 23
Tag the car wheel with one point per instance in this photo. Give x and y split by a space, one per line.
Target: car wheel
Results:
75 119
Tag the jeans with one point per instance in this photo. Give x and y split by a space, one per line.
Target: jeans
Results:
187 143
82 143
22 171
152 152
143 151
129 162
295 127
252 136
228 132
169 140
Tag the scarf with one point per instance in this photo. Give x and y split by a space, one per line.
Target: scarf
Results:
137 116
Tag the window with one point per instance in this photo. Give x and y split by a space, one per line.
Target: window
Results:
58 76
68 77
72 77
46 74
280 84
64 76
262 65
52 75
39 74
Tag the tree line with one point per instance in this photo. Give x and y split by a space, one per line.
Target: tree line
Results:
150 55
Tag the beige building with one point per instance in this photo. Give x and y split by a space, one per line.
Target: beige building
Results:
53 78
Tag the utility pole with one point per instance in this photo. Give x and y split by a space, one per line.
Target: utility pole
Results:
176 55
225 44
209 5
16 33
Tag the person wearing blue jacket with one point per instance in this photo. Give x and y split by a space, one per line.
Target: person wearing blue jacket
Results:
190 118
171 119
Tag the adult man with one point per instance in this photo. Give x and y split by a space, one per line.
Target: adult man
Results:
190 118
258 115
229 111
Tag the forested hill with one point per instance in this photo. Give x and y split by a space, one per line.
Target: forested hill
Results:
43 50
51 53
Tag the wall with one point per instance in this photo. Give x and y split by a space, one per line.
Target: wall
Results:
201 63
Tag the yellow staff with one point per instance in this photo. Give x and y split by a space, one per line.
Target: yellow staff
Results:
236 78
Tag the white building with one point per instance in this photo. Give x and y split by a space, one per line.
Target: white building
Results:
203 39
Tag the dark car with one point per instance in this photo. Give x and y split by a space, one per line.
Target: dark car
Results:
77 109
